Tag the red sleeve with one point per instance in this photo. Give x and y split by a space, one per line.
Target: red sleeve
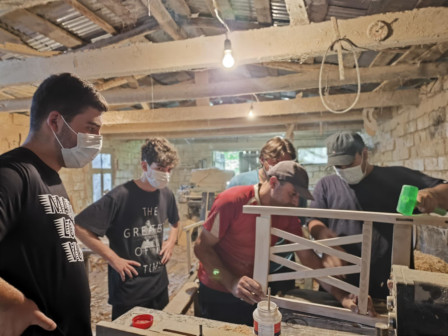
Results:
222 215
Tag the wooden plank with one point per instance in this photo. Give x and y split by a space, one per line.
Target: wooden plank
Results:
6 36
33 22
262 245
334 312
183 299
327 242
297 12
166 22
309 273
115 6
326 279
249 86
139 31
401 247
365 267
201 78
215 124
263 10
285 43
280 108
92 16
22 49
383 217
199 133
315 244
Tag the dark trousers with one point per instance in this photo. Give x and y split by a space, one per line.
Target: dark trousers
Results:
220 306
159 302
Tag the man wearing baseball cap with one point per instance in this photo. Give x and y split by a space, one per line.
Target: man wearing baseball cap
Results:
226 245
358 185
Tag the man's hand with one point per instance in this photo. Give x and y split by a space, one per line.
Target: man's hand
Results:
426 200
124 267
18 317
167 250
247 289
350 301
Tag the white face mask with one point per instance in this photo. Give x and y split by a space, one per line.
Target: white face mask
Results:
352 175
158 179
87 148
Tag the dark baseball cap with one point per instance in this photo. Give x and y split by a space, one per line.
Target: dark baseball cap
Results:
292 172
342 148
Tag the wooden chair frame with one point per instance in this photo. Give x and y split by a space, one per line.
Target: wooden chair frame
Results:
265 253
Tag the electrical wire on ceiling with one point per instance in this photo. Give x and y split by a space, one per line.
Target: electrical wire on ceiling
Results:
352 45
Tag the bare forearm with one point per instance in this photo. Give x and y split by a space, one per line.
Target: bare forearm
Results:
441 192
172 238
319 230
214 266
9 295
94 243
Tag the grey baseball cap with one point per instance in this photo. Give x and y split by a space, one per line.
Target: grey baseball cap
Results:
342 148
292 172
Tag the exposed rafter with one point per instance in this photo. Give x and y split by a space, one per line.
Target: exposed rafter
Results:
197 90
428 26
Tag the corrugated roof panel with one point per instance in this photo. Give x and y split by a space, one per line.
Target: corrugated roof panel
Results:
42 43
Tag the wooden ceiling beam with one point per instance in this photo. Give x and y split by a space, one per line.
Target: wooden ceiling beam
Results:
256 121
286 42
166 22
261 109
279 130
297 12
164 93
92 16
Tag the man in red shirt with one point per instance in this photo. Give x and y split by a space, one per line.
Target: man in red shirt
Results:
226 245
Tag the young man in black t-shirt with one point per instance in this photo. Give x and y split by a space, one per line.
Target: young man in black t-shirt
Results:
43 283
358 185
132 217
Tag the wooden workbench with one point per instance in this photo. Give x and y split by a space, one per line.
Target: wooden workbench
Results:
294 323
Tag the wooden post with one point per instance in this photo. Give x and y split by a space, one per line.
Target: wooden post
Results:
338 46
365 267
262 246
401 246
188 234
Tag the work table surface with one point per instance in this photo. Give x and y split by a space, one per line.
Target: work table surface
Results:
294 323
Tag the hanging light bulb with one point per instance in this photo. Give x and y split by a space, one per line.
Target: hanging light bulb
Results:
251 111
228 61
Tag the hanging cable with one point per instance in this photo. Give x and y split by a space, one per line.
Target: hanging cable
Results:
215 8
357 75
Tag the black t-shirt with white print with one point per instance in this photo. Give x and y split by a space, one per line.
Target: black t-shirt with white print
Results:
133 219
39 254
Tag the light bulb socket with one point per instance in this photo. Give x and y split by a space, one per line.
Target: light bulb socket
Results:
227 44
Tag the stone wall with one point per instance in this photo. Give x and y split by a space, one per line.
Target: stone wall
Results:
417 137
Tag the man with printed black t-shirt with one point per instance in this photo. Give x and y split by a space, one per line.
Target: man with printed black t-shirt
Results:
132 217
44 288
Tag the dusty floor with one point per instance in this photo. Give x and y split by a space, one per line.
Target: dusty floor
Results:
178 274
